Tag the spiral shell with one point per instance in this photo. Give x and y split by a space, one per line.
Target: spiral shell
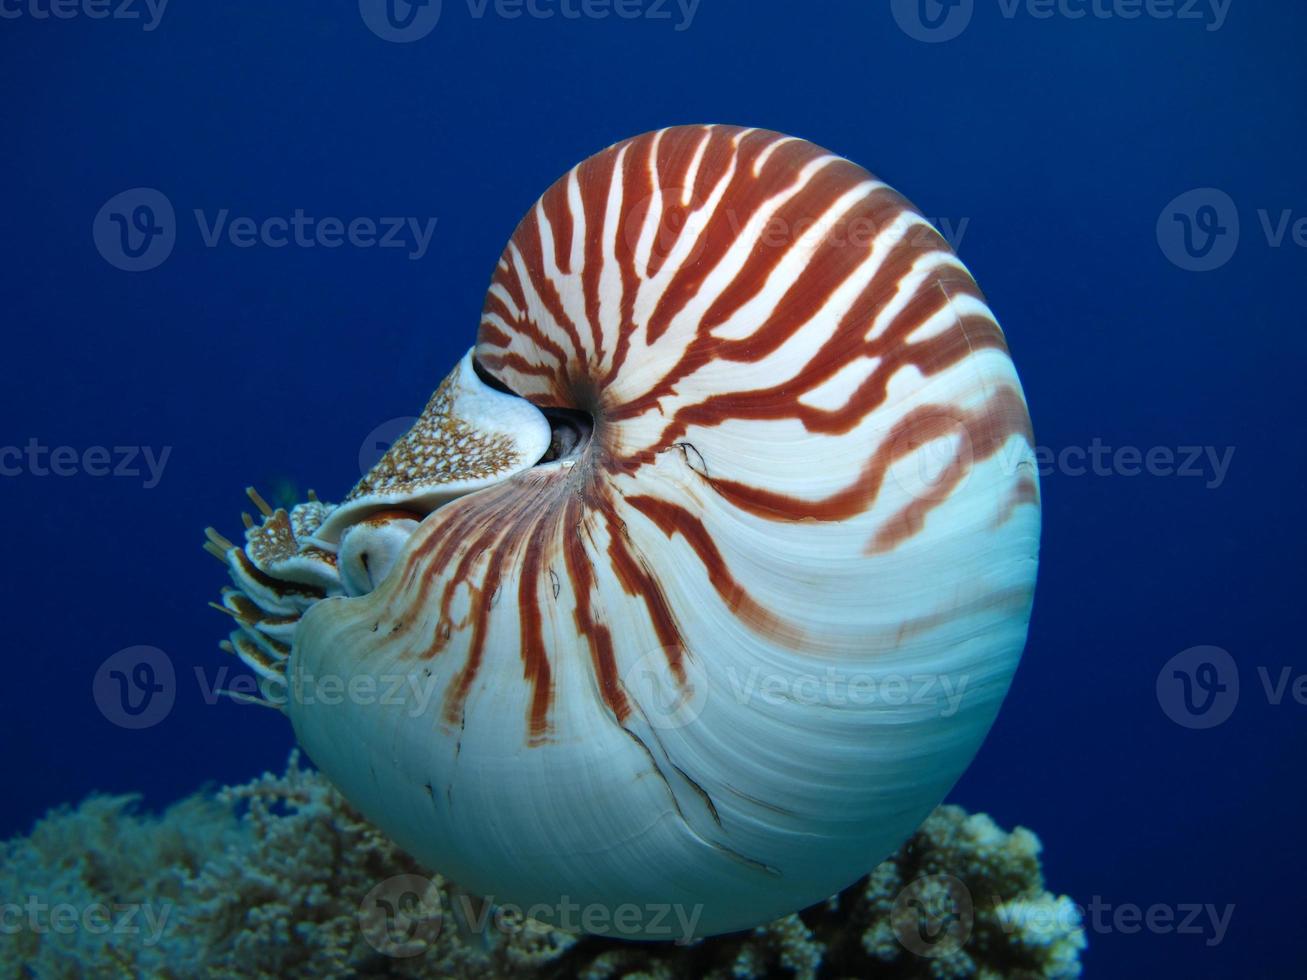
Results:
701 579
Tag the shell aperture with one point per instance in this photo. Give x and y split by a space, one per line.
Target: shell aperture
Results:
701 578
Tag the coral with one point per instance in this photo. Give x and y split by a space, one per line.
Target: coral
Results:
281 878
960 899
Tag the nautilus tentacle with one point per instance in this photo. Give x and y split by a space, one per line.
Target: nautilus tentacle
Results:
470 436
703 580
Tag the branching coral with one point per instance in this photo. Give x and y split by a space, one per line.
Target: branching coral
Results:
280 878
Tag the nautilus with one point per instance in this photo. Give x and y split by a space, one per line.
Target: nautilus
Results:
701 577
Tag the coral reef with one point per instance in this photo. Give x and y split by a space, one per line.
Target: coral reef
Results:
280 878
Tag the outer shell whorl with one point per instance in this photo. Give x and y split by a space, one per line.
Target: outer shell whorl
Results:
713 291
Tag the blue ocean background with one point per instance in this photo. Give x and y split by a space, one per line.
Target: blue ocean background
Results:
1054 150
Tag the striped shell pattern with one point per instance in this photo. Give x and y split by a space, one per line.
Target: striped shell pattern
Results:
702 576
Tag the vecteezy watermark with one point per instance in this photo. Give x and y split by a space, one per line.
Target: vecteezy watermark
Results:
938 455
404 21
402 917
304 231
377 442
1199 231
136 687
934 21
148 12
933 915
861 232
413 692
841 688
1210 463
627 920
1060 916
136 230
1199 687
401 21
1283 684
672 222
123 462
672 688
937 462
1160 919
95 918
669 685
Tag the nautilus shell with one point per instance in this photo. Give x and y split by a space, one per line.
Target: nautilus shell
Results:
702 576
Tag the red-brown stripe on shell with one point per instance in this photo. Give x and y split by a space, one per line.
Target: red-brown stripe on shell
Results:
738 422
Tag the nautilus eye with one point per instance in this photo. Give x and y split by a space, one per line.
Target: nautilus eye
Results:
702 576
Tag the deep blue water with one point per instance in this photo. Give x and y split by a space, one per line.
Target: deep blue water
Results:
1056 145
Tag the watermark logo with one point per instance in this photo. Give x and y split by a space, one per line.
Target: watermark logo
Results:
1052 918
667 230
1199 688
654 920
378 442
940 694
1210 13
1283 684
136 687
933 21
907 230
931 459
934 459
136 230
400 21
401 917
668 699
413 692
1211 464
933 915
121 462
148 12
144 921
1199 230
405 21
306 231
1204 920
